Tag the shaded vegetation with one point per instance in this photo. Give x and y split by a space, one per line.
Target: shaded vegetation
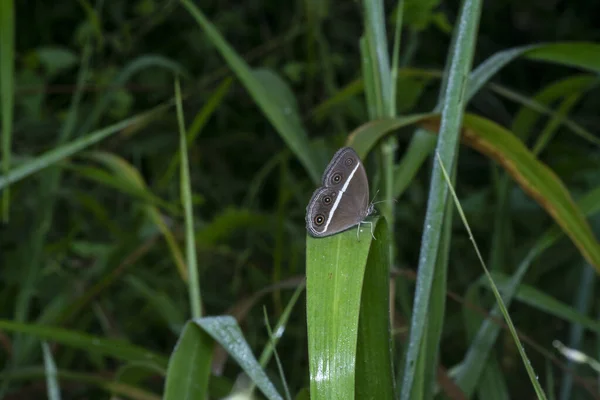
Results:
100 294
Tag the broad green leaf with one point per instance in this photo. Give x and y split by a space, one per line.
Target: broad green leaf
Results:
335 267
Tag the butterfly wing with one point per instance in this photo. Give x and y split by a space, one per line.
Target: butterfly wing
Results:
343 201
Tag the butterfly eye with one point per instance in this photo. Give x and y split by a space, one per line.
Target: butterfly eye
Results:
327 200
319 219
349 161
337 178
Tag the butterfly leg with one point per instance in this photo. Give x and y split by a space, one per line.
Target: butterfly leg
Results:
371 224
358 229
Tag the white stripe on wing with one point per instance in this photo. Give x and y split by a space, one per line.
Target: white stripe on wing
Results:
339 198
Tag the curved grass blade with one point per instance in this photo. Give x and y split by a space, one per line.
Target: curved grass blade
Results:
539 181
335 267
283 116
57 154
114 348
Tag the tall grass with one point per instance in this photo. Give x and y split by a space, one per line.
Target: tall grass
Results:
154 242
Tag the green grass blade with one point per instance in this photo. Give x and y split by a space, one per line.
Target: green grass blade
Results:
7 82
52 386
193 281
447 145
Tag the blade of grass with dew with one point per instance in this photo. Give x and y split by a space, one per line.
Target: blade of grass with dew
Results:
193 282
188 372
335 267
226 331
52 386
447 148
374 363
283 117
530 372
7 82
437 306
